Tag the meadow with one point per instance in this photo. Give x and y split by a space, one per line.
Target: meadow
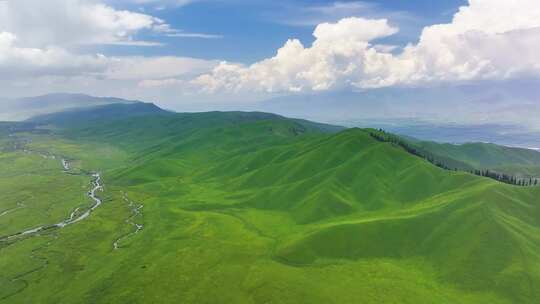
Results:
255 208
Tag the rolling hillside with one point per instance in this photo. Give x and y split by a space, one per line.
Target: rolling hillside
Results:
257 208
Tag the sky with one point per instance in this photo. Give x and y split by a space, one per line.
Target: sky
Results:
205 54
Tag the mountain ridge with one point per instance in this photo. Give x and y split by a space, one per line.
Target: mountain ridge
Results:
19 109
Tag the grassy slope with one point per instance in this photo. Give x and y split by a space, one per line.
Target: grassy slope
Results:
239 209
516 161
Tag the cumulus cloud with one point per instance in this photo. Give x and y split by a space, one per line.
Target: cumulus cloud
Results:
487 39
18 61
39 39
42 49
335 59
67 23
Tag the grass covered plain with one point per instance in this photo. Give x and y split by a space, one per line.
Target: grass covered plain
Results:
255 208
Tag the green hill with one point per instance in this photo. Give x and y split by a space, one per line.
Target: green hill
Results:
257 208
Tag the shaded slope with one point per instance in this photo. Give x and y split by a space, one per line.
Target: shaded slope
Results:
474 240
514 161
348 172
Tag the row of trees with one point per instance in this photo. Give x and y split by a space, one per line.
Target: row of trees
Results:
505 178
383 136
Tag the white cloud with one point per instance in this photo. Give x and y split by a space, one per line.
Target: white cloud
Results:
488 39
38 39
157 5
170 32
306 15
74 22
337 57
159 83
40 50
18 61
181 34
155 67
164 2
24 63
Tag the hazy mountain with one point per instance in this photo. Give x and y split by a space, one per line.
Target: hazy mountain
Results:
507 135
106 112
504 113
480 103
481 156
24 108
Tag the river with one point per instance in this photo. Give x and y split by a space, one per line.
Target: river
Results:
74 217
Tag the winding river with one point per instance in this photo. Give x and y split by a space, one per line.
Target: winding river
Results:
74 216
135 212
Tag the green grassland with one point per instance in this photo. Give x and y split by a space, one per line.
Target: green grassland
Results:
256 208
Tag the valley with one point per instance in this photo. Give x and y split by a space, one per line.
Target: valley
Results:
236 207
74 216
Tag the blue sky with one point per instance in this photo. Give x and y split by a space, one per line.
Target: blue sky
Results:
252 30
355 58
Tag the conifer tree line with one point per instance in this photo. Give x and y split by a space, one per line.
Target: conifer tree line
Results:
383 136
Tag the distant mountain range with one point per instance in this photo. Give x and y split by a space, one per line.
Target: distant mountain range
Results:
78 110
507 135
513 161
503 113
509 103
419 113
23 108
